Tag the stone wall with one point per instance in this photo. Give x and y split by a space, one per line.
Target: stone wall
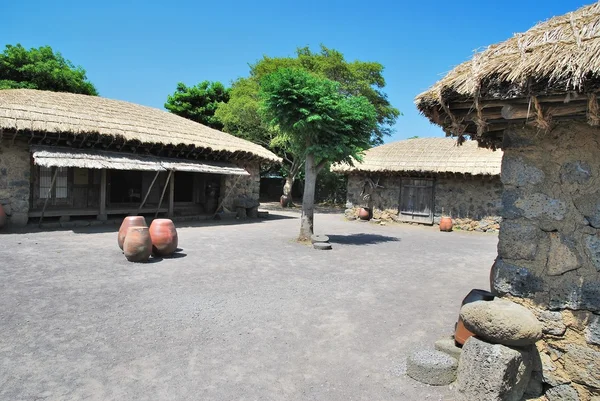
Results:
15 167
549 247
240 186
467 200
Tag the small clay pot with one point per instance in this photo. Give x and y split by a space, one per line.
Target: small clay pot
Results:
364 213
137 246
2 216
461 334
164 237
446 224
129 221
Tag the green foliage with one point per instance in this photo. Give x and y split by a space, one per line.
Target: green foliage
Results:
315 117
41 69
199 103
414 137
331 188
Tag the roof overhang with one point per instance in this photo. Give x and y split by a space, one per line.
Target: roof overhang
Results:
96 159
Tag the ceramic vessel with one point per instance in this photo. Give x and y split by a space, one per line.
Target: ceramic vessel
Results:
364 213
2 216
284 201
137 246
164 237
129 221
461 334
446 224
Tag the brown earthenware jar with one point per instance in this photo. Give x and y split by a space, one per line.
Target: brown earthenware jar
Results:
461 334
364 213
137 246
164 237
129 221
2 216
446 224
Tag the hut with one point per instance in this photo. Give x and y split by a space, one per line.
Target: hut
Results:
536 97
419 179
66 155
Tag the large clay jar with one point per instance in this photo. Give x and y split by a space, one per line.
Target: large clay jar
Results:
364 213
129 221
164 237
461 334
446 224
137 246
2 216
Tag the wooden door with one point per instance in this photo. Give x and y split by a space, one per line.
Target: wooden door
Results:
416 200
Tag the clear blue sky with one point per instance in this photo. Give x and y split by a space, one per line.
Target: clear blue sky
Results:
138 50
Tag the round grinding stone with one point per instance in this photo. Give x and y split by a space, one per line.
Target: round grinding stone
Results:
319 238
322 245
432 367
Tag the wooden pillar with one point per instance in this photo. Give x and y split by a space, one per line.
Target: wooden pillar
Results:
102 215
171 195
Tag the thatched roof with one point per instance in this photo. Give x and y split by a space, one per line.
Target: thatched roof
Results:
560 56
427 155
53 112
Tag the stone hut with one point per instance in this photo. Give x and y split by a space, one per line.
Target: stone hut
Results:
66 156
536 97
419 179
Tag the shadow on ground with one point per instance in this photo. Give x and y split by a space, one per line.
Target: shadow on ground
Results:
361 239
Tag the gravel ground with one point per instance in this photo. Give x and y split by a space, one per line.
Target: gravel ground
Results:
243 313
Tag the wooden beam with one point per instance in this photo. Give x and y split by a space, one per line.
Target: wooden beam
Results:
48 195
516 112
171 196
163 193
148 193
102 215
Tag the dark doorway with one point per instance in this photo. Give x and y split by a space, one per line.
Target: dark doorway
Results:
184 186
125 186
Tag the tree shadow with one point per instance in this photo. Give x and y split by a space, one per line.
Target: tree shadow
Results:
361 239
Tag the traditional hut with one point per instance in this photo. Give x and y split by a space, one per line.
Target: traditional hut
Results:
536 97
419 179
65 155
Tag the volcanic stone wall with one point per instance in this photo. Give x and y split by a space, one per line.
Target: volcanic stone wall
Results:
14 181
549 247
240 187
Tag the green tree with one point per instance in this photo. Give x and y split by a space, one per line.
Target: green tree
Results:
240 115
43 69
318 121
199 103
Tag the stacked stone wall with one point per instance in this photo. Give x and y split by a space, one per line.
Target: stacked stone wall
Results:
15 167
246 187
549 247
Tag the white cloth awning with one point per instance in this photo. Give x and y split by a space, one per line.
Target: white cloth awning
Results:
47 156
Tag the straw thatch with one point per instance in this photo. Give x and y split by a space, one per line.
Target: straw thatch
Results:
96 159
560 56
427 155
53 112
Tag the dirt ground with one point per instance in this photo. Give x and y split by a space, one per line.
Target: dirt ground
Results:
242 313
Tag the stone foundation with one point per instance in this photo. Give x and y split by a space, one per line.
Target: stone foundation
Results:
474 203
15 167
549 247
237 187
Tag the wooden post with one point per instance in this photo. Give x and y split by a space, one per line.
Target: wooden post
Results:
148 193
48 195
171 196
102 216
163 193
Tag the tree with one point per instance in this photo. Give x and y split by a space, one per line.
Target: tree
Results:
199 103
43 69
319 121
240 116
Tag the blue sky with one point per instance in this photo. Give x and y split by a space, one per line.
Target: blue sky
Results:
138 50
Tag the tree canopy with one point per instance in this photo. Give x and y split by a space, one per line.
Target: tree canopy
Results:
319 121
43 69
199 103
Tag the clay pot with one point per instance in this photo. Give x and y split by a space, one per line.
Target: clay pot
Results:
129 221
364 213
461 334
164 237
137 246
284 201
446 224
2 216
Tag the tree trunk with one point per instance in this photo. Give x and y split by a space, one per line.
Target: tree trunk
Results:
308 200
287 188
